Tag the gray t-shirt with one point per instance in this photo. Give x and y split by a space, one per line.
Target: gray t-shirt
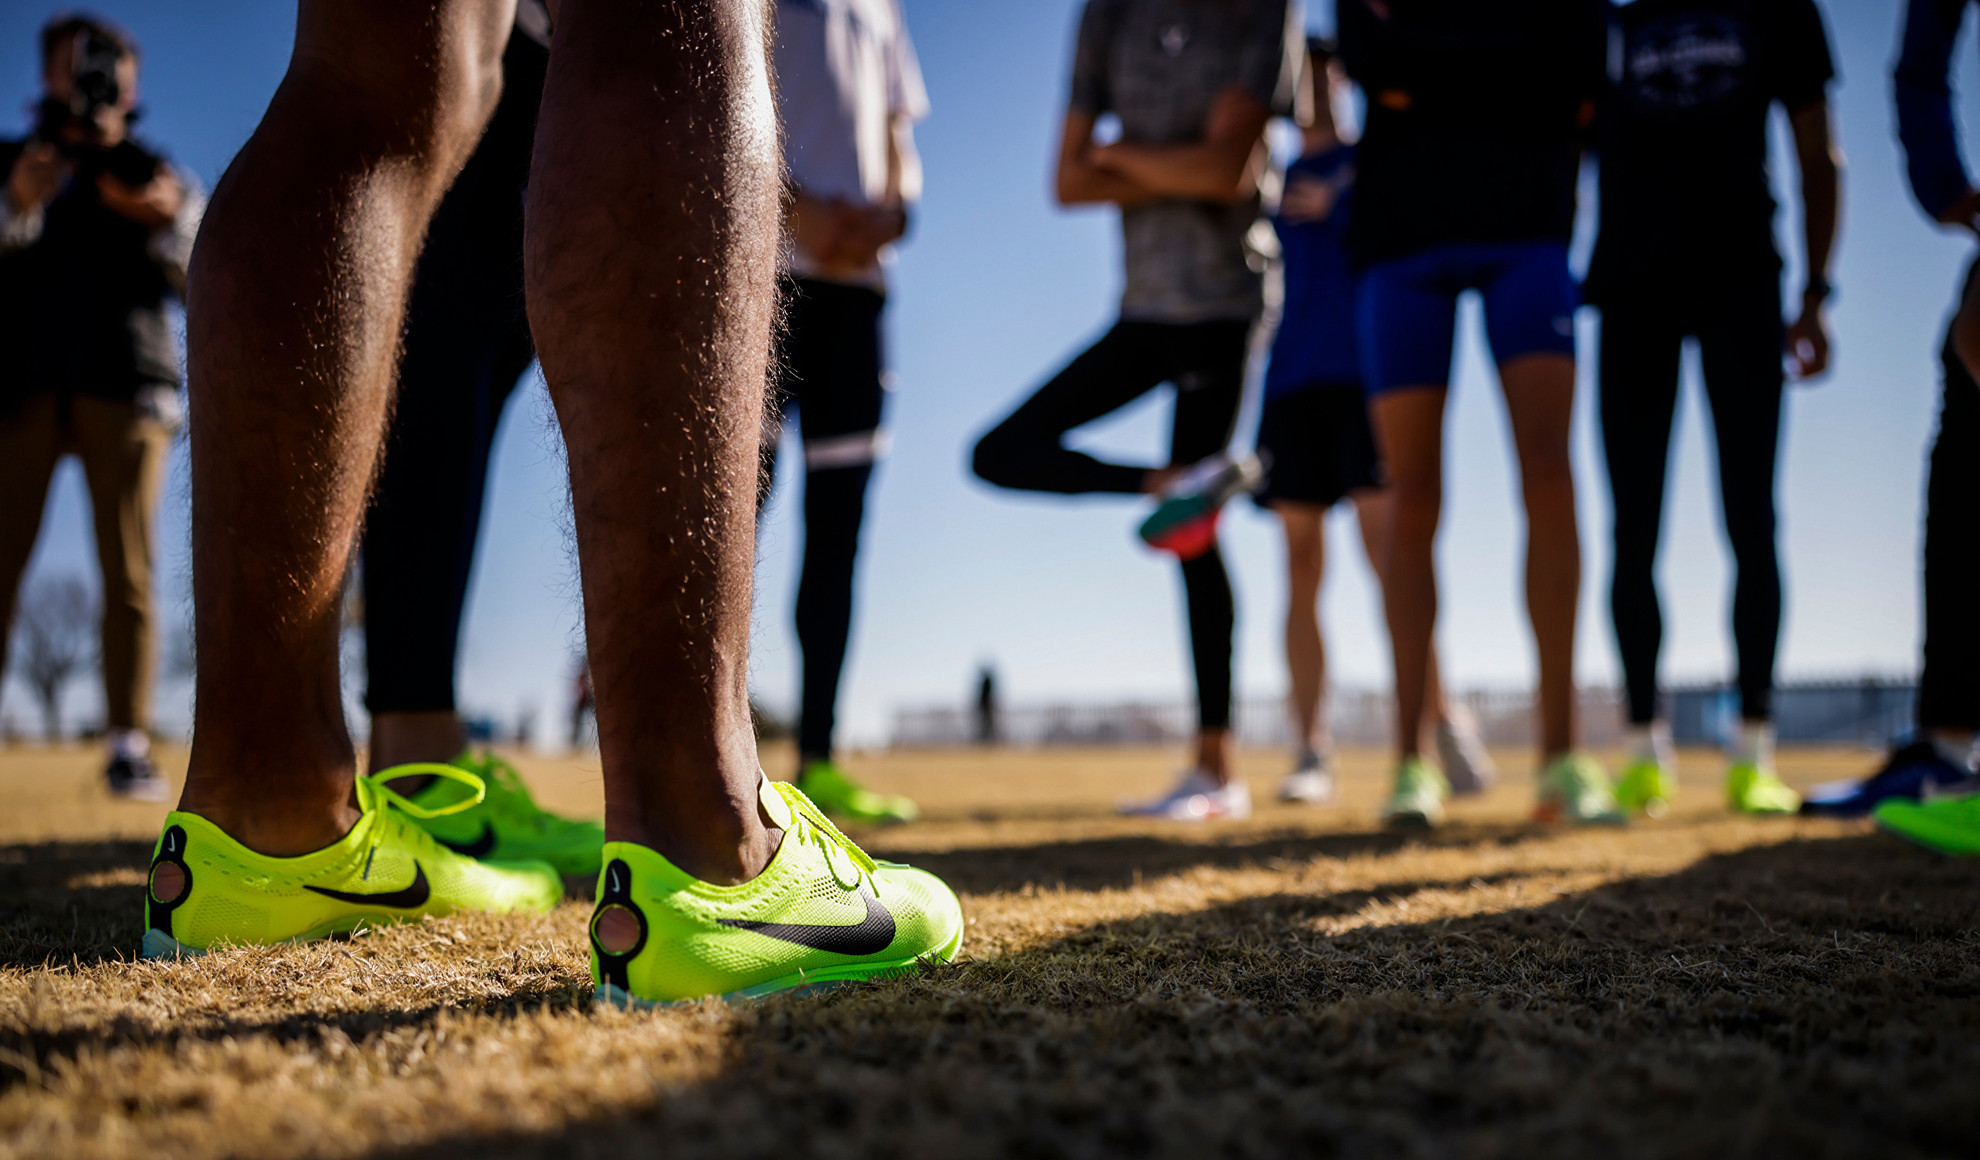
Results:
1159 65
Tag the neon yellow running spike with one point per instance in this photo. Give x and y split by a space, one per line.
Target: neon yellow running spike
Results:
1574 788
506 824
1646 787
1754 789
827 785
821 913
1417 801
205 888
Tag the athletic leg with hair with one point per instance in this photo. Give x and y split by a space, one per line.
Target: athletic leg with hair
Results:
651 267
293 321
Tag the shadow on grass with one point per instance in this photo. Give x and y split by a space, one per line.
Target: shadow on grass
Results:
1132 860
58 904
1820 997
1816 998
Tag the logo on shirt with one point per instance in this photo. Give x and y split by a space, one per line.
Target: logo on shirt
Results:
1681 63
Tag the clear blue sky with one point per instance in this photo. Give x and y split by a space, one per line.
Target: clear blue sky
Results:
997 288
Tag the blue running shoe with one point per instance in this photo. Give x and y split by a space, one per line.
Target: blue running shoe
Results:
1912 773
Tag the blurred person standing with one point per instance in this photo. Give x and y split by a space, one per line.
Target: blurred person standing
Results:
95 230
1941 761
1193 85
850 91
1686 251
466 345
1465 182
1313 434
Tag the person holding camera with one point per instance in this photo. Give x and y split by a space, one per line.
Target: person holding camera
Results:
95 231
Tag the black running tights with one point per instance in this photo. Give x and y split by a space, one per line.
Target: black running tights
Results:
1949 688
1740 349
466 344
1205 361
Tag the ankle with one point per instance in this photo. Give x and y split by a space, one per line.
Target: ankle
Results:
286 833
1649 742
1955 745
1754 744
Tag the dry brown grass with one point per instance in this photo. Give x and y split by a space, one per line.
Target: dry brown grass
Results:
1298 984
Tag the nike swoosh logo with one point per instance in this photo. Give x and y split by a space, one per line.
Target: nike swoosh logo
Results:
870 936
412 896
476 849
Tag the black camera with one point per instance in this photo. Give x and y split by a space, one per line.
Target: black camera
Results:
93 88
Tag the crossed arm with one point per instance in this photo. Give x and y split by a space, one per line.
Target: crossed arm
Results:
1223 166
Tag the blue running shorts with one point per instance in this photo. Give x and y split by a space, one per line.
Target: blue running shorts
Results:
1406 308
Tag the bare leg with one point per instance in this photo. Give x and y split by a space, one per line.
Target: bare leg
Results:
1374 509
1540 401
1306 651
297 292
651 259
1409 426
1216 754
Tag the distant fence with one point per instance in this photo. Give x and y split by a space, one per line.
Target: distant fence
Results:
1867 711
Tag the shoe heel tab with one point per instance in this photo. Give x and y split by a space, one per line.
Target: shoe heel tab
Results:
776 808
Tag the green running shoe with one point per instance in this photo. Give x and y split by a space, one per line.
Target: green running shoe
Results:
205 888
505 824
821 913
1949 825
1576 789
1647 787
1417 801
1754 789
827 785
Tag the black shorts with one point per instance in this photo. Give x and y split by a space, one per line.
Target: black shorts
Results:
1320 446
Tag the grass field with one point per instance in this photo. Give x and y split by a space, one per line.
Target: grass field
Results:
1300 984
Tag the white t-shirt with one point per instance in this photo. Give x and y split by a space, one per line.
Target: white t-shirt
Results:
845 70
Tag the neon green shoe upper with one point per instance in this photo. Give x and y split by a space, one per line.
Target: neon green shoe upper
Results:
834 792
506 824
1646 787
822 912
1576 789
1754 789
1951 826
385 870
1418 797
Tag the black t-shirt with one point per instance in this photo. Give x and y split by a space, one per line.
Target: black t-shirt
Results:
83 308
1475 118
1682 132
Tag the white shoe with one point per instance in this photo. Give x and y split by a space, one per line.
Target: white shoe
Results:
1467 763
1311 783
1196 798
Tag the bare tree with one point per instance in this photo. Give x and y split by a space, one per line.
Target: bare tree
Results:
56 628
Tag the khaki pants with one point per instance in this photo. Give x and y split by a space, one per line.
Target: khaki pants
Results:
123 450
